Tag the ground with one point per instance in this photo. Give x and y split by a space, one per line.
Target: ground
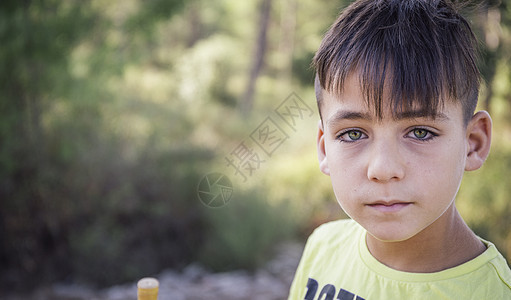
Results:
270 282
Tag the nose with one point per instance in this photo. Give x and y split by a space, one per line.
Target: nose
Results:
386 163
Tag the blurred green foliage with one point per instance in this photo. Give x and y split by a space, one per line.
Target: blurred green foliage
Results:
244 232
485 199
112 111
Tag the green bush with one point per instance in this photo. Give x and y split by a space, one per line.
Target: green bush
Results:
243 233
485 200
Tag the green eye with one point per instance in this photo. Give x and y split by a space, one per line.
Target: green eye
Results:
351 136
420 133
354 135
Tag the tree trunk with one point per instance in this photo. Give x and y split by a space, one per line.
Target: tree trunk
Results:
287 37
489 19
194 24
258 58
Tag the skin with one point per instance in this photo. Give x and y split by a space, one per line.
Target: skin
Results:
398 177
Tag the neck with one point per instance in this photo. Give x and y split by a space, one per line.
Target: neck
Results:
446 243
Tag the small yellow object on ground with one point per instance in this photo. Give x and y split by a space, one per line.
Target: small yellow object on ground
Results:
147 289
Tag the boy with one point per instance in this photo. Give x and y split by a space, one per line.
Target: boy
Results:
397 86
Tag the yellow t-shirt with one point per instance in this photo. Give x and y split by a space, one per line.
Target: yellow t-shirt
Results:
336 264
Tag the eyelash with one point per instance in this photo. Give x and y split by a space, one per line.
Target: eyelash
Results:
429 135
340 138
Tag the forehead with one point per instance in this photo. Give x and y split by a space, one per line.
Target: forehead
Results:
352 103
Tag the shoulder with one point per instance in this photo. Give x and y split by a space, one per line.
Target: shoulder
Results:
335 233
500 267
488 275
343 225
330 247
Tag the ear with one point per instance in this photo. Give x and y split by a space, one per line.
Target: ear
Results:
479 140
323 163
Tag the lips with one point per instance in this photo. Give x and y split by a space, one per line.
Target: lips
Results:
390 206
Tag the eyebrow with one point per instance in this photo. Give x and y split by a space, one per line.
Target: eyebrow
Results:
416 114
413 114
349 115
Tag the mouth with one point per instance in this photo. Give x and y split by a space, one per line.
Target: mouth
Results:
389 207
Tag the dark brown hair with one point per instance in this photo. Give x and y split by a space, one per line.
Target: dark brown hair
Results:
424 49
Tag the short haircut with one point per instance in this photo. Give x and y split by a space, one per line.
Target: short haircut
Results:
423 51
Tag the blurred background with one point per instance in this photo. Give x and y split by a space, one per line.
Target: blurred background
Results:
112 112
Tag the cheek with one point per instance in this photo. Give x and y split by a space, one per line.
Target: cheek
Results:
345 168
347 182
440 175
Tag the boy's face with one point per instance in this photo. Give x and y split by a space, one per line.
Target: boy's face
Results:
394 176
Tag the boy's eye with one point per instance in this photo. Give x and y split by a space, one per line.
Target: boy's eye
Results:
421 134
350 135
354 135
